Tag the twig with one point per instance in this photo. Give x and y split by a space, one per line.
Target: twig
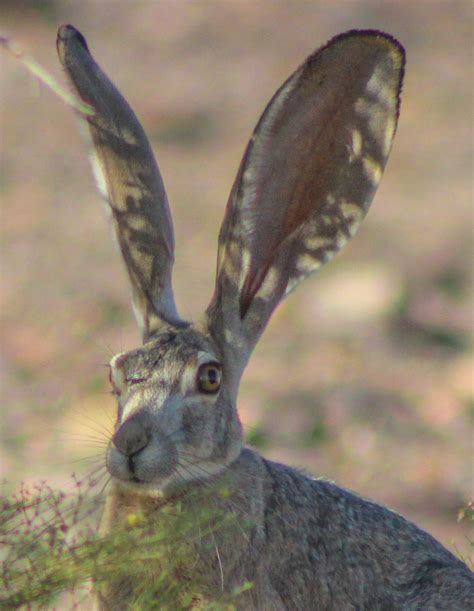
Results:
46 78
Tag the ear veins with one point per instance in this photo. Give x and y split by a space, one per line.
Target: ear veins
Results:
374 111
252 284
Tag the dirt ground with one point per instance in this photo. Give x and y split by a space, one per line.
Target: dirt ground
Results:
365 373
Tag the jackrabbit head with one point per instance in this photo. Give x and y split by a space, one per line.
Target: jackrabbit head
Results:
305 183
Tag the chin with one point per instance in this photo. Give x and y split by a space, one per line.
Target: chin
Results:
158 490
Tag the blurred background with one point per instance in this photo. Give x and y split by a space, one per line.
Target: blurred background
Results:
365 373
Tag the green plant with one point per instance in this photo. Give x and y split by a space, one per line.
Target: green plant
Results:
51 545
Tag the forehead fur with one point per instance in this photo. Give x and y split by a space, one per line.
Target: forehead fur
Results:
172 347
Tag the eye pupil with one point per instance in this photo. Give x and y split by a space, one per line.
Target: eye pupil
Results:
209 378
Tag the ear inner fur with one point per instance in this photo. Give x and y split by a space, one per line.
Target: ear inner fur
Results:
307 177
130 180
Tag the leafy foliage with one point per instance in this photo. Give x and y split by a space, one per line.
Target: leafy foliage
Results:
50 545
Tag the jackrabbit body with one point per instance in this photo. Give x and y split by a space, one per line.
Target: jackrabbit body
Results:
305 183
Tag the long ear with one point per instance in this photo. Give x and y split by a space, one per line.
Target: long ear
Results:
129 179
306 181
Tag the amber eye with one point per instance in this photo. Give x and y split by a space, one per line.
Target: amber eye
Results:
209 378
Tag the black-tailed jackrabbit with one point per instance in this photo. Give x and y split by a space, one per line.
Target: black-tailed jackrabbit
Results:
305 183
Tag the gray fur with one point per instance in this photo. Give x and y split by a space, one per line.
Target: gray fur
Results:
307 179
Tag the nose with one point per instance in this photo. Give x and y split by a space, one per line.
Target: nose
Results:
133 436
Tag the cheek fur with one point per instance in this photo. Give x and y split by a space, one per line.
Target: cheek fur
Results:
197 424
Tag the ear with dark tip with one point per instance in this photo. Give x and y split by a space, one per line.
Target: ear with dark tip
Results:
129 179
306 181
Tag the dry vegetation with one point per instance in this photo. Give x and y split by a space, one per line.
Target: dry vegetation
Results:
365 374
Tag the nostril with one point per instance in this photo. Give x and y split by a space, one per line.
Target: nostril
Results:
132 436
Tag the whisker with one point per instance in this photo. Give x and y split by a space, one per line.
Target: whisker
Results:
193 465
88 458
229 501
109 479
103 346
93 425
218 559
85 437
178 430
